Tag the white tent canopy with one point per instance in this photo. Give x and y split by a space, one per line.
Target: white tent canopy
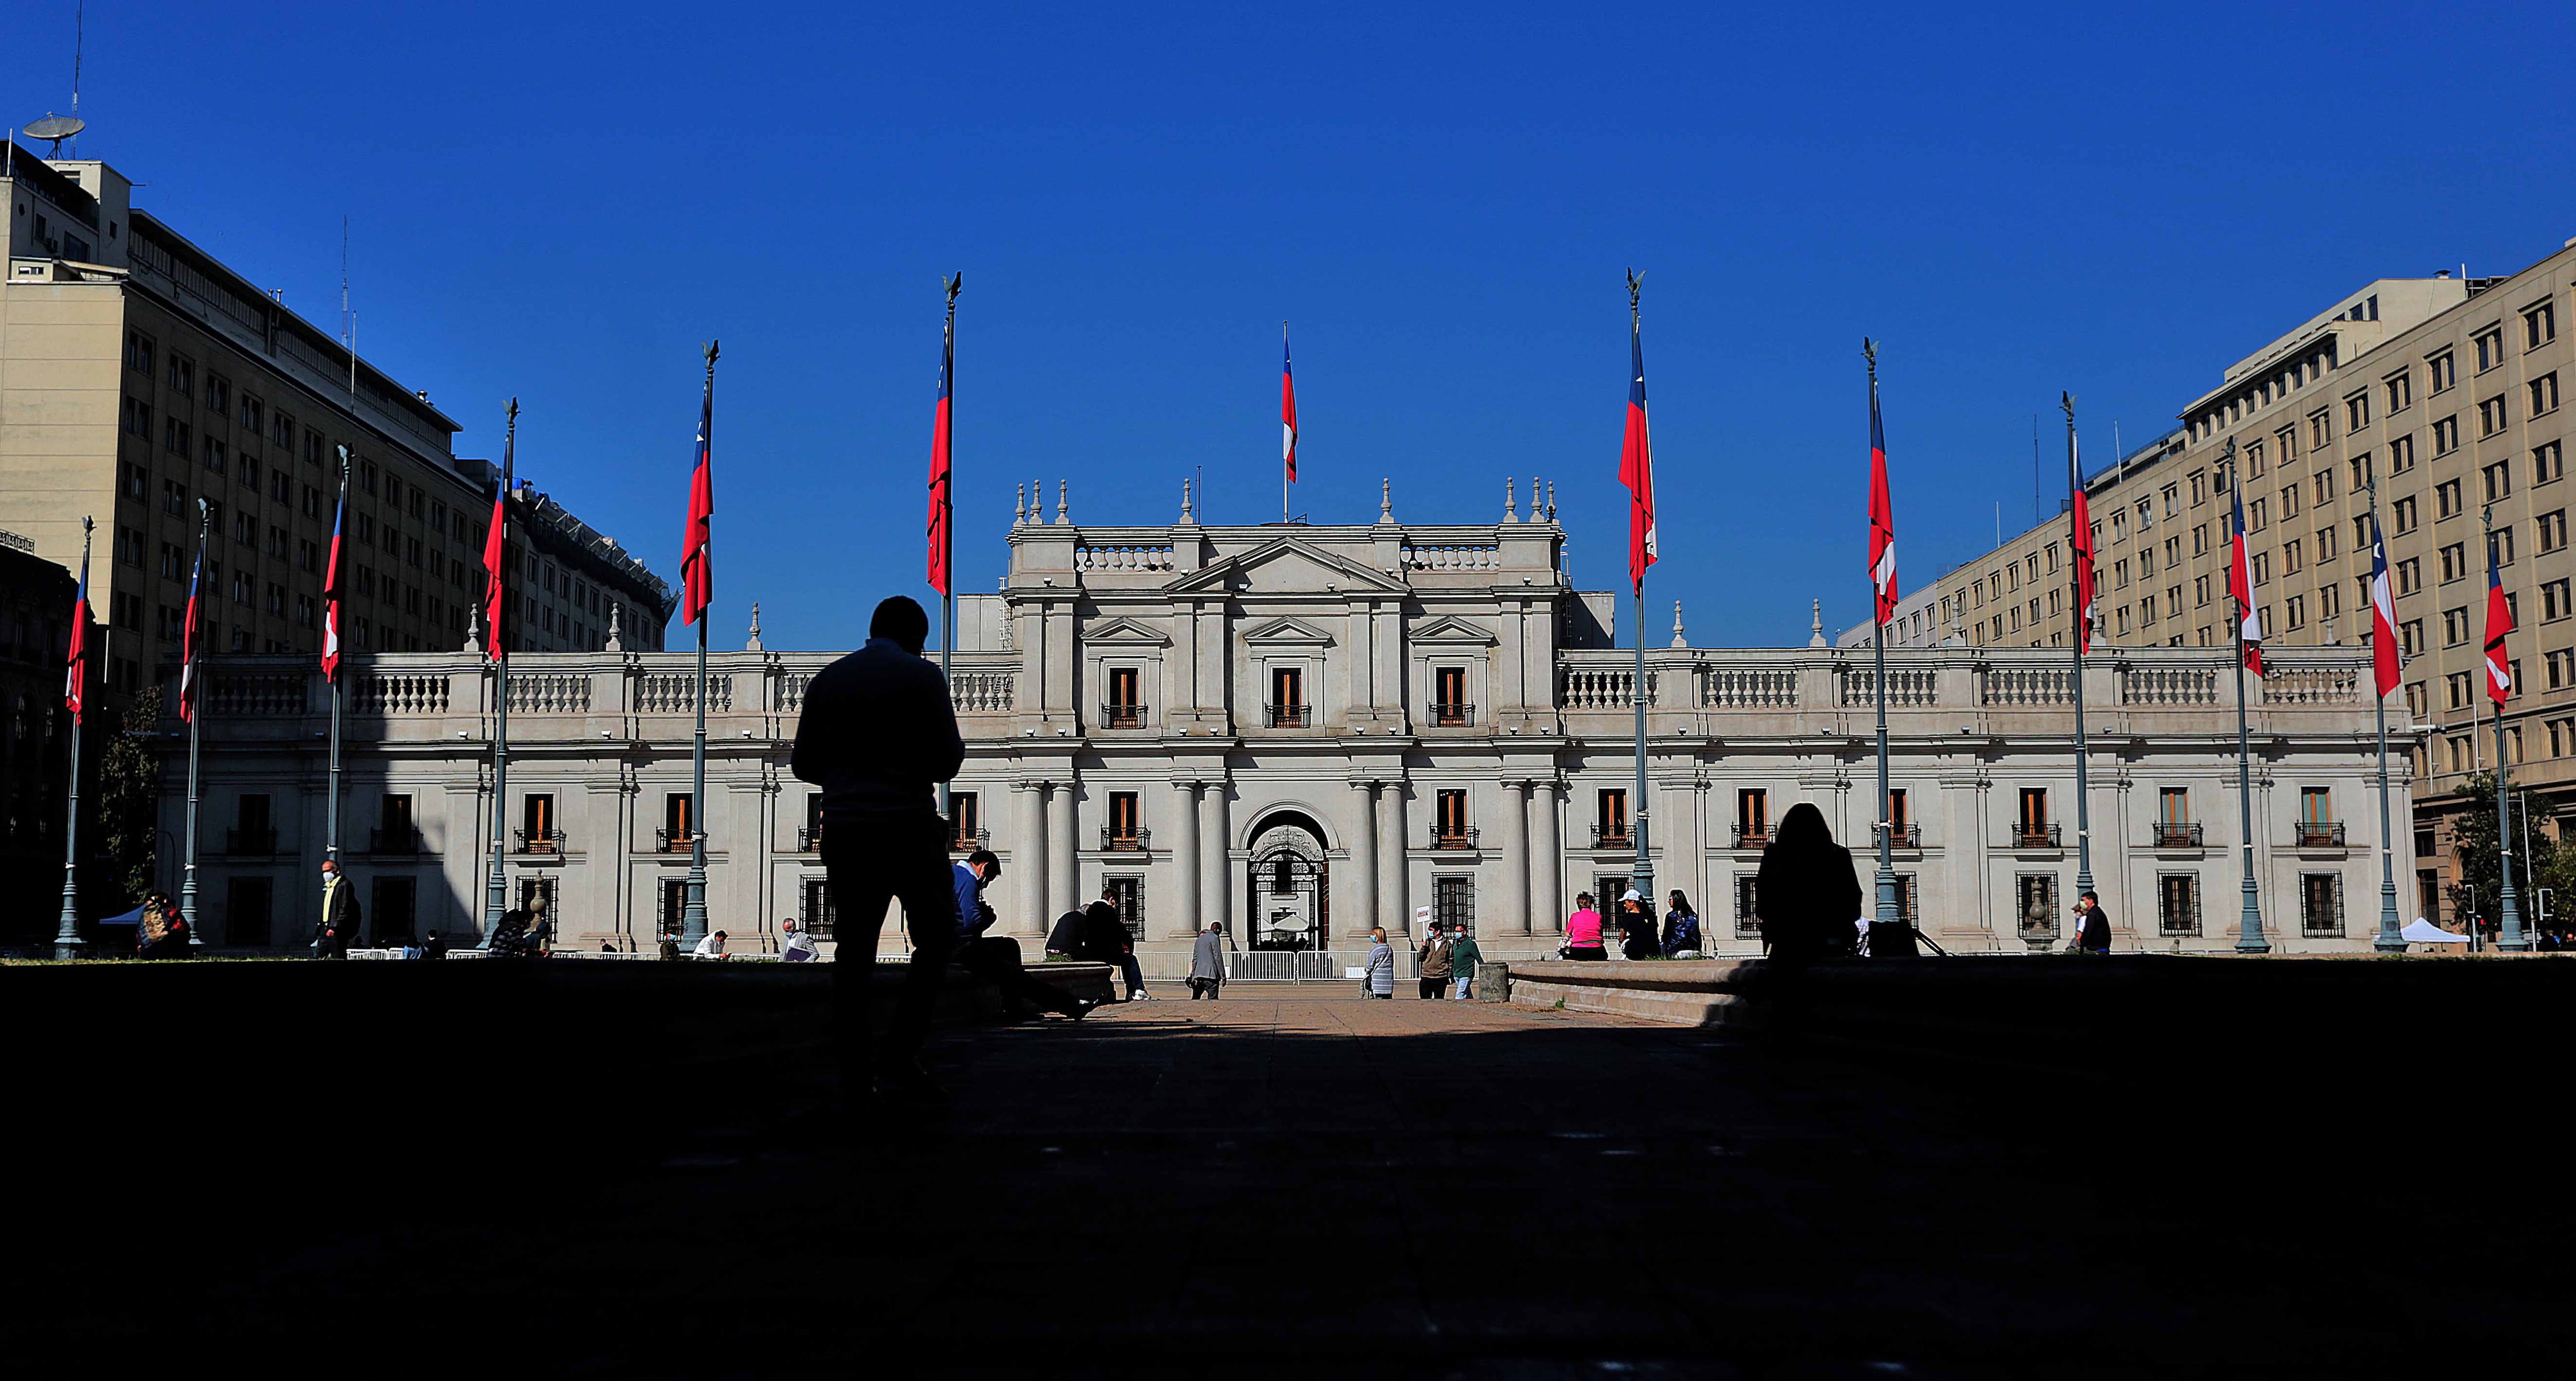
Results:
2423 932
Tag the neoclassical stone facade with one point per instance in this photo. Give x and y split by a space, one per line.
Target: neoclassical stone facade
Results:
1307 730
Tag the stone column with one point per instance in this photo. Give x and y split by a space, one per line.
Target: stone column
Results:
1064 877
1391 909
1185 861
1546 861
1029 856
1213 840
1361 912
1515 915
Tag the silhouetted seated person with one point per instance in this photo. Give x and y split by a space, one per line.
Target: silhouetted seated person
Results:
1807 892
1105 941
510 939
995 959
1065 941
436 948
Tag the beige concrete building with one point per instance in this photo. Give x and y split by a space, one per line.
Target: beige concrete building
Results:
139 375
2445 392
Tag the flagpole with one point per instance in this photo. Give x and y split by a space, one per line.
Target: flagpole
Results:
2392 939
2510 939
2083 747
1641 876
496 882
331 830
2249 926
693 916
948 544
67 938
1283 457
1887 915
191 702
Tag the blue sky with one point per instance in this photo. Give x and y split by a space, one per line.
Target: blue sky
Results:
561 203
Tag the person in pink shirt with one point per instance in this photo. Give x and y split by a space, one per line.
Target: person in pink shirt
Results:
1583 930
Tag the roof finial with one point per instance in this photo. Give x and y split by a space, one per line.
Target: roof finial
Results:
1064 501
1020 506
474 630
754 644
616 635
1386 501
1551 501
1511 502
1677 625
1816 625
1185 502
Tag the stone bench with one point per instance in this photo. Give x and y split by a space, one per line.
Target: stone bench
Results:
1682 992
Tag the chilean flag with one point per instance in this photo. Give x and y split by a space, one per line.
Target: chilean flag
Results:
188 641
697 582
76 675
496 560
1287 408
2240 585
942 509
1882 514
1637 464
2499 623
2383 613
330 590
2081 544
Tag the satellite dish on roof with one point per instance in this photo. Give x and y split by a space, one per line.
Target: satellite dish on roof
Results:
56 128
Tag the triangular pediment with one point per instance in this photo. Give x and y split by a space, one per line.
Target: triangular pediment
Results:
1288 633
1451 632
1125 632
1288 566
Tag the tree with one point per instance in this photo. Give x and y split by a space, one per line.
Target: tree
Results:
2552 864
129 799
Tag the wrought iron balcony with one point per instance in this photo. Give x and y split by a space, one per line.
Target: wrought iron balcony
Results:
393 839
2031 836
1612 837
542 842
665 842
251 843
1288 716
1452 716
1907 836
1122 716
1752 836
1462 838
2178 834
809 839
967 842
1134 841
2321 834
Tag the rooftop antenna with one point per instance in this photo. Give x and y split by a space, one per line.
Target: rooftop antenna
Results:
348 319
58 128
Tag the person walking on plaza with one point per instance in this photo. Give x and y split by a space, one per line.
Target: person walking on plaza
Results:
794 946
1681 929
877 735
1378 978
2093 926
1583 930
1207 963
1105 941
1806 891
1464 956
1636 928
996 959
339 923
1433 958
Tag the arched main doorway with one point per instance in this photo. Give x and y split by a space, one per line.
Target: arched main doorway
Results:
1287 891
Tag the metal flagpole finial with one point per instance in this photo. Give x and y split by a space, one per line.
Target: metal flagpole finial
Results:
711 359
949 284
1636 285
1869 352
2066 404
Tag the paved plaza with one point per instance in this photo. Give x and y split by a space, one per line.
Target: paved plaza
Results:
1291 1182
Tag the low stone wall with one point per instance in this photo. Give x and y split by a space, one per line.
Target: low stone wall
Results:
1683 992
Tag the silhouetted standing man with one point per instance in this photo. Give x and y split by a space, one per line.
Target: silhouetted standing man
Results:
878 734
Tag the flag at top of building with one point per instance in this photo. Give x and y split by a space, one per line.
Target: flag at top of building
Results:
2499 623
2080 544
1287 407
331 600
1882 514
1637 453
496 560
76 673
2383 613
188 641
697 581
942 507
2240 585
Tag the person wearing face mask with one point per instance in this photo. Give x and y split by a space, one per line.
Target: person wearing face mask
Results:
1378 978
1433 957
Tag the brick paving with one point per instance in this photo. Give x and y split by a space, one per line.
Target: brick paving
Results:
1290 1182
